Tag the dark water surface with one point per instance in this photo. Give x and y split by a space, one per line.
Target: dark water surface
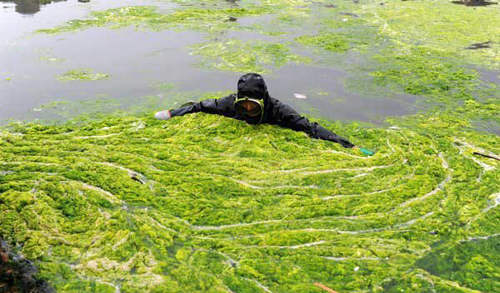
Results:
29 64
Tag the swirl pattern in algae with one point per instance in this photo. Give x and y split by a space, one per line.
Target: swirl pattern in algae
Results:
207 203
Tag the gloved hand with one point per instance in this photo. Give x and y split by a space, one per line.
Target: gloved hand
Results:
366 152
163 115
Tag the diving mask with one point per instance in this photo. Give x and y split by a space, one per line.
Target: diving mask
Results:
249 107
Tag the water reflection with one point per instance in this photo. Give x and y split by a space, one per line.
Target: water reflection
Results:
28 7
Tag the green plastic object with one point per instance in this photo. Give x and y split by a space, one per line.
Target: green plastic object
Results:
367 152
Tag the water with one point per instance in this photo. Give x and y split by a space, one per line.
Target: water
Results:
136 60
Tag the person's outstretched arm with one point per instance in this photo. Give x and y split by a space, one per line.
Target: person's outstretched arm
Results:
220 106
286 116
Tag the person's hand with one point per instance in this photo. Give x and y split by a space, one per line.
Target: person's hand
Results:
364 151
367 152
163 115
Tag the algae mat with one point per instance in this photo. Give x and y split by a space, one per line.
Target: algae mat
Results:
204 203
209 204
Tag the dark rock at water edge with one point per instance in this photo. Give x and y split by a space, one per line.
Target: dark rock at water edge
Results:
474 2
476 46
17 274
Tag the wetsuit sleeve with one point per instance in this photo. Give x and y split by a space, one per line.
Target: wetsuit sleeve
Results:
211 106
285 116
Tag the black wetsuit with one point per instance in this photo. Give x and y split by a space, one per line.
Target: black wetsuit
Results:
275 112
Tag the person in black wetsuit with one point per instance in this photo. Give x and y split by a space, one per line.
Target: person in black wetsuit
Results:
253 104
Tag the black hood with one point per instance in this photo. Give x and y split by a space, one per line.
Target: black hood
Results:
252 85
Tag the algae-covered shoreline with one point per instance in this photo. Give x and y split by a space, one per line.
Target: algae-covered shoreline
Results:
203 203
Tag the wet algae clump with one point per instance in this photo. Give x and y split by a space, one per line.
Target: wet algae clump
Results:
424 72
440 25
472 263
240 56
81 75
147 17
329 42
207 203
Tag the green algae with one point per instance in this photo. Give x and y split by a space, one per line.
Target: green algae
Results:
223 206
52 59
82 75
471 263
47 55
229 205
147 17
233 55
421 71
162 86
329 42
443 26
240 56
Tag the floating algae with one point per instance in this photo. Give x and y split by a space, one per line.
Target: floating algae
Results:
329 42
226 55
240 56
471 263
422 71
440 25
147 17
82 75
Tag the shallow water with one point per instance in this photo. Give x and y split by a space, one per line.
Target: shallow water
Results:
135 60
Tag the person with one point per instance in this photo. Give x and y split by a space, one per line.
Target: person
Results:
253 104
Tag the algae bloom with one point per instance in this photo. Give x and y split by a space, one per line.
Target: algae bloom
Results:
203 203
82 75
207 203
